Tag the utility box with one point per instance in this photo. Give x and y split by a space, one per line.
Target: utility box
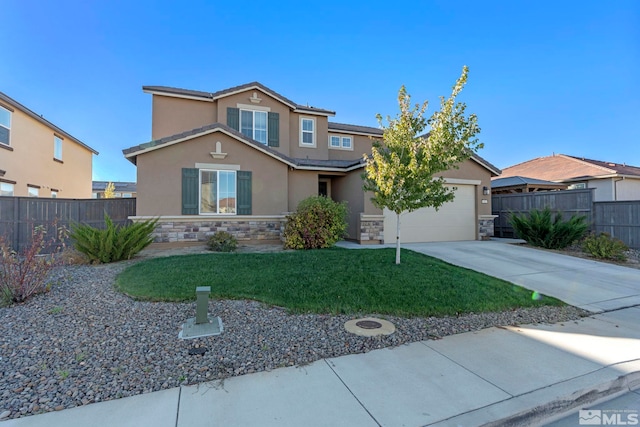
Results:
202 325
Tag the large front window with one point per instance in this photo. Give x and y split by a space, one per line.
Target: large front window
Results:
254 125
217 192
5 125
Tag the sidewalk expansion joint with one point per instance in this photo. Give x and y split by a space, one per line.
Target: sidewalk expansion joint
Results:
616 309
352 393
178 408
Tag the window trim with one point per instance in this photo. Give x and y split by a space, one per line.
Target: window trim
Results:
302 132
31 188
217 171
253 124
8 143
57 140
341 139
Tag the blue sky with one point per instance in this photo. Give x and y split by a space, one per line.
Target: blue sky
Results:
545 76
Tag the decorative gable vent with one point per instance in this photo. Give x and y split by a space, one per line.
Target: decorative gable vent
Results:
254 98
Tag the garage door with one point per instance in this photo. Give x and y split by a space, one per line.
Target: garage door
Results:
453 221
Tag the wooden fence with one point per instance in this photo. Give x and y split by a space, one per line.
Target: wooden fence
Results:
19 216
620 219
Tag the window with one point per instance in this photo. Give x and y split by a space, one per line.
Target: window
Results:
127 195
217 192
307 131
54 194
577 186
254 125
57 147
33 191
5 125
94 195
6 189
343 142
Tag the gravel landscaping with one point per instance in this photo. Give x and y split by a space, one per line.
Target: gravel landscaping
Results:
83 342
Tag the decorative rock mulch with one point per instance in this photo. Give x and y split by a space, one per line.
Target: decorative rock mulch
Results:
84 342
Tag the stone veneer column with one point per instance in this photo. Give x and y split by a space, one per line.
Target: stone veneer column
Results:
485 226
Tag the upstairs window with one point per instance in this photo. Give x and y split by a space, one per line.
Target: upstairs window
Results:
33 191
254 125
307 132
340 142
6 189
5 125
57 148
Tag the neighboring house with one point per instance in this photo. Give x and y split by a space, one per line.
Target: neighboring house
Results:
611 181
39 159
241 158
521 184
121 189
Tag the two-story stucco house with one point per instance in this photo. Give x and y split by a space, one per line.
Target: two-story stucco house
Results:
239 159
39 159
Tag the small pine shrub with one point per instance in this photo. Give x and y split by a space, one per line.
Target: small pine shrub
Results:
542 228
115 242
319 222
605 247
222 241
24 274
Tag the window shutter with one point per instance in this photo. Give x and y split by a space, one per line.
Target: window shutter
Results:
190 191
233 118
274 129
244 192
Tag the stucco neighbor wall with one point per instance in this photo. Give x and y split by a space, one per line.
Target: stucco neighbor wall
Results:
30 161
160 174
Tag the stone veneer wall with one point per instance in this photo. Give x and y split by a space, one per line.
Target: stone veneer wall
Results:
485 226
371 229
198 228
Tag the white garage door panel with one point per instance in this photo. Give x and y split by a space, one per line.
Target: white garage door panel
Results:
453 221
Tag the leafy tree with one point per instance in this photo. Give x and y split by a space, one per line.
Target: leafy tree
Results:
110 191
401 170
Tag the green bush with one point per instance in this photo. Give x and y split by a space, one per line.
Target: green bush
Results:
604 246
222 242
319 222
115 242
542 228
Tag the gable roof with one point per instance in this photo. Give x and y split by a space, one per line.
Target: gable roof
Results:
15 104
564 168
355 129
523 181
212 96
305 164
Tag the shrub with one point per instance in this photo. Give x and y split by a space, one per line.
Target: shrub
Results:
24 274
542 228
222 242
319 222
115 242
604 246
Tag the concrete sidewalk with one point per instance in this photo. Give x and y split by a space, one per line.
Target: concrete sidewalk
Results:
520 375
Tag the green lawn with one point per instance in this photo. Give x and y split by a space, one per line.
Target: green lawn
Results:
329 281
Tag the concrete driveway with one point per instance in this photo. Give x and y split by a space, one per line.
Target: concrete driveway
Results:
591 285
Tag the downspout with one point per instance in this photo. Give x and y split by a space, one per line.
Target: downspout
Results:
615 188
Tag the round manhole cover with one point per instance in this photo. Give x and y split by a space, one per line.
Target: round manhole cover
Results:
369 324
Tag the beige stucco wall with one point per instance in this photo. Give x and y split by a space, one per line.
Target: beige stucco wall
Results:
361 146
320 151
172 115
160 175
349 188
31 161
302 184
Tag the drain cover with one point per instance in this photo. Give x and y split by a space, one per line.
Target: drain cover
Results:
369 324
370 327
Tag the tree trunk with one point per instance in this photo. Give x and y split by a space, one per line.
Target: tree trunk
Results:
398 241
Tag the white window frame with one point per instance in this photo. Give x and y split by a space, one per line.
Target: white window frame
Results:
312 132
341 142
253 124
57 147
217 171
33 191
54 194
8 143
6 187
